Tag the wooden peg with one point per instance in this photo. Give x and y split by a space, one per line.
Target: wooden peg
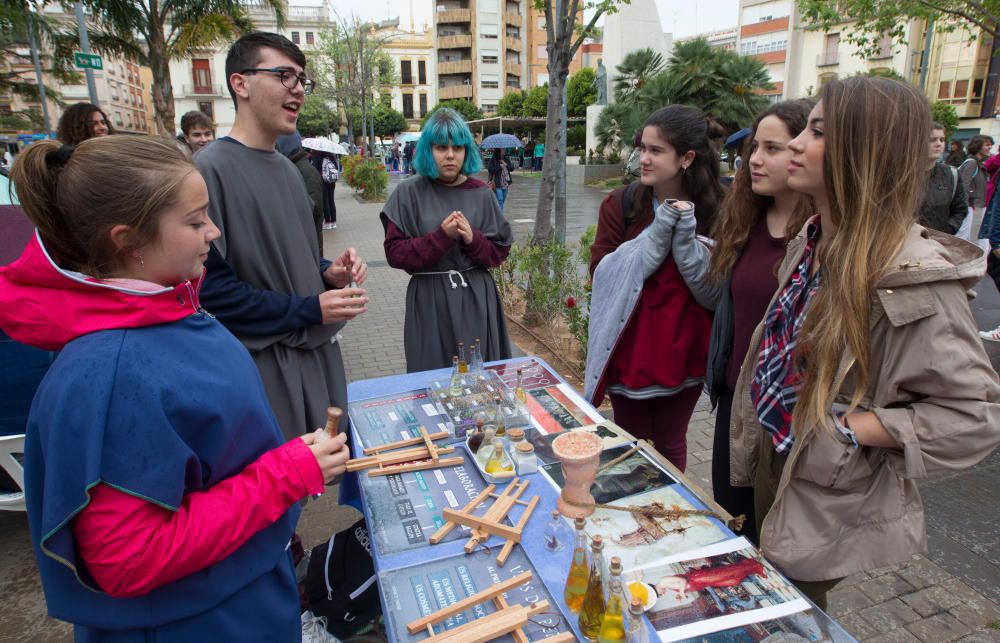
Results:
333 415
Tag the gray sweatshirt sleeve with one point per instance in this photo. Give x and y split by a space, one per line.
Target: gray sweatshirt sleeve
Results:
656 247
692 258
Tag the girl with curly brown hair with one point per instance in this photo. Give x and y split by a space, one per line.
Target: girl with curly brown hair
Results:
82 121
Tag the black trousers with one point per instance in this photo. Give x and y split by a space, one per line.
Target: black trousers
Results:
993 268
735 500
329 205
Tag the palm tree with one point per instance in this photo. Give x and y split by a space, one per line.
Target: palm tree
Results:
617 125
154 33
696 64
739 98
666 88
634 72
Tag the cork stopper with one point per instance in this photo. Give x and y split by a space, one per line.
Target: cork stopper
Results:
597 543
525 447
333 415
616 565
515 435
580 521
635 606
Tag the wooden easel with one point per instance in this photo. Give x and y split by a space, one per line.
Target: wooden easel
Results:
490 523
508 619
425 456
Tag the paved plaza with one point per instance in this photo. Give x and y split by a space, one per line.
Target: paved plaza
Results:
952 593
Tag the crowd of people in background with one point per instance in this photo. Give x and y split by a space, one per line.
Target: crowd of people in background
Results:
822 302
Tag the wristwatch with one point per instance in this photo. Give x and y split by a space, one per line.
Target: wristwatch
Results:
844 430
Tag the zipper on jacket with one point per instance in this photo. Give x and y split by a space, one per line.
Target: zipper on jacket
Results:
326 569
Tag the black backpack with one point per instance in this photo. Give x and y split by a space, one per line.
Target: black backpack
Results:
341 584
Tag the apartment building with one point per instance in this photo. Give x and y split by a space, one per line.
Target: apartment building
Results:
480 50
766 30
722 39
121 92
415 60
537 54
200 83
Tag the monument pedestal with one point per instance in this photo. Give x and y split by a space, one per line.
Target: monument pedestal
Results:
593 112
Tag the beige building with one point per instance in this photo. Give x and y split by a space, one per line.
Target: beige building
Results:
766 29
200 83
722 39
416 70
19 61
537 55
121 92
480 50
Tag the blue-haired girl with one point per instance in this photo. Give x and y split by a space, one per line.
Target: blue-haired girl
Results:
445 228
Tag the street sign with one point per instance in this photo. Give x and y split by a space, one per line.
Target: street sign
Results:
87 61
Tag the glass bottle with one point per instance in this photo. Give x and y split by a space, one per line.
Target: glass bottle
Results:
476 436
519 393
579 568
501 418
477 358
499 461
456 378
524 454
592 610
638 631
613 622
557 533
463 365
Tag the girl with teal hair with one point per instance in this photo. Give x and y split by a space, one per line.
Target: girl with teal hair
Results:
445 228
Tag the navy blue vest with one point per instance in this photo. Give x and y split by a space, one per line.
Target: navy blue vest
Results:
156 412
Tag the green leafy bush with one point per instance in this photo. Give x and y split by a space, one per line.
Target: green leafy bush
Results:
367 175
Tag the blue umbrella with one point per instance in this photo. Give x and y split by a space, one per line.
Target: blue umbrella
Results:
737 138
500 141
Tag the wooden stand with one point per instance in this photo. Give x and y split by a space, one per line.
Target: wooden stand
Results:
508 619
490 523
425 456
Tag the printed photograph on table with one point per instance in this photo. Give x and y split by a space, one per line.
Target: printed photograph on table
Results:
406 509
640 539
554 410
610 433
533 374
716 588
381 420
633 475
811 625
414 592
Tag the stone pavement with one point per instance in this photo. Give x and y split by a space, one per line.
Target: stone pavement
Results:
949 594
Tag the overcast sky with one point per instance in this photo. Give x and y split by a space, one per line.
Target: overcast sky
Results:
682 18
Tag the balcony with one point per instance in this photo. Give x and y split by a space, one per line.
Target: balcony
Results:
204 90
513 69
455 67
455 42
455 91
453 16
512 18
828 59
513 44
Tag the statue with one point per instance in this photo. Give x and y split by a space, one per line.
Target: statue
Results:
601 82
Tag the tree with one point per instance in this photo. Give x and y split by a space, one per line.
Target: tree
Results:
154 33
388 122
580 92
563 39
637 69
464 107
874 21
317 118
536 102
947 115
511 104
617 126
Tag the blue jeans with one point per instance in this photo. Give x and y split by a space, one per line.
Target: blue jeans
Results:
501 196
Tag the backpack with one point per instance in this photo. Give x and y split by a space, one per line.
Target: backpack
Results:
341 582
330 171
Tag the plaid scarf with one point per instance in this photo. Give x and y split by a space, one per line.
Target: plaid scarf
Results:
778 378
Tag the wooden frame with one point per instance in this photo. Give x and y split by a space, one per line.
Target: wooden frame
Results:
419 458
491 522
508 619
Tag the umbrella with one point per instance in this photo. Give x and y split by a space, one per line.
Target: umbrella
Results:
338 148
320 145
500 140
413 136
737 138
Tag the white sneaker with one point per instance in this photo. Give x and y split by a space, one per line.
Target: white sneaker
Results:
333 226
328 226
991 335
314 629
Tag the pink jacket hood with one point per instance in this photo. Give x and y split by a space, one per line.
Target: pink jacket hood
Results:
46 306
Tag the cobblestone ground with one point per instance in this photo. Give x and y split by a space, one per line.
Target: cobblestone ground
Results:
947 595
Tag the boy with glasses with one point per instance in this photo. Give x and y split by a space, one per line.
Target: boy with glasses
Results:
265 277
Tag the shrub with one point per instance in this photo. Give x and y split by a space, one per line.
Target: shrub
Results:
367 175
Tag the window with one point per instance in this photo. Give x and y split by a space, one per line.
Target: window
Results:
207 108
489 108
309 38
961 89
118 119
128 119
422 72
541 52
488 31
490 84
406 72
201 73
944 89
407 105
295 38
977 89
831 49
110 67
423 105
543 79
114 92
490 59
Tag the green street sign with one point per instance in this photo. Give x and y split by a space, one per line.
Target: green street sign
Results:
87 61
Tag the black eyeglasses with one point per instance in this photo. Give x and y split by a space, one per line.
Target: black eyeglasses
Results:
288 78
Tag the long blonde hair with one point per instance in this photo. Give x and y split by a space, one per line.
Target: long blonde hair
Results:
876 133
